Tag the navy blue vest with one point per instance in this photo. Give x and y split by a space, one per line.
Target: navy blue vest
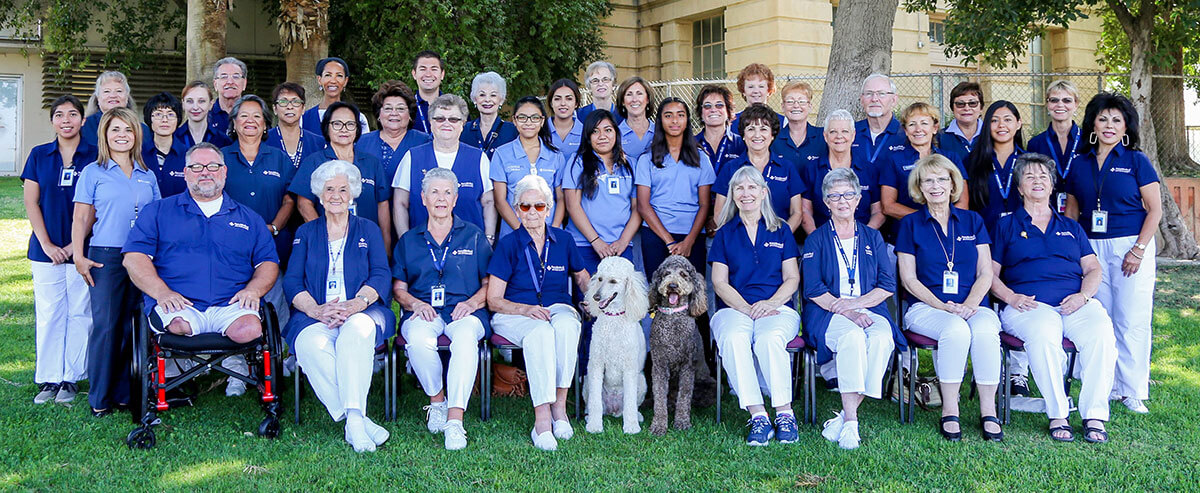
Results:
470 184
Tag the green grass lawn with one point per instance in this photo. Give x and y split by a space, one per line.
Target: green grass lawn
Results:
212 446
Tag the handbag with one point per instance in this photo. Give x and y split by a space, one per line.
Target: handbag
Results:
927 389
509 380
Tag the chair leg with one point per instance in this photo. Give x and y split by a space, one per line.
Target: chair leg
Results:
578 393
812 386
1005 390
1070 372
389 386
720 369
296 378
912 383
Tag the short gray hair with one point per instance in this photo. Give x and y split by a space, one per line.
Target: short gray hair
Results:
891 85
839 175
439 174
329 170
594 66
451 101
268 118
187 157
230 61
1034 159
534 182
839 115
489 79
93 104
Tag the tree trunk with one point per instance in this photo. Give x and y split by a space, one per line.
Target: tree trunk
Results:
206 21
1169 125
304 36
862 45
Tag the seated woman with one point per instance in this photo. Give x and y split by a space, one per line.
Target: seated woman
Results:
847 279
336 279
947 288
755 275
1046 276
529 290
438 304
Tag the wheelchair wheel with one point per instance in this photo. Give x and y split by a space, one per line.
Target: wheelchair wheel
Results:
140 371
269 428
141 438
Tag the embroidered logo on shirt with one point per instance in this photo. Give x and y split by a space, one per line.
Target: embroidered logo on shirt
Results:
773 244
176 174
272 173
808 254
1064 233
910 167
867 249
965 238
368 181
362 243
1121 170
813 158
463 251
239 225
777 178
296 241
896 148
556 268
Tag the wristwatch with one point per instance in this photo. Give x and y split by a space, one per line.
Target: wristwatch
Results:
364 300
1139 246
274 230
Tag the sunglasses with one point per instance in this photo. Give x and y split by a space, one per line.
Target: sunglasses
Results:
540 206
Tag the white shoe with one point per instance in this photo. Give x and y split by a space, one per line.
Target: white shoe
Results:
563 430
235 387
456 436
357 437
544 441
435 416
1135 405
377 433
849 438
1115 396
833 427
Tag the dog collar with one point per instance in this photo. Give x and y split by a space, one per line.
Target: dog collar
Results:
621 313
673 310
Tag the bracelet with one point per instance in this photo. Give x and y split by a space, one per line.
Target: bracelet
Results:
593 240
672 243
1139 257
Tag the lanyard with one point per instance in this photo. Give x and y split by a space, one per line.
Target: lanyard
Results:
1062 173
715 158
883 140
1005 188
937 232
421 114
333 259
386 151
538 279
440 265
487 139
1103 175
851 266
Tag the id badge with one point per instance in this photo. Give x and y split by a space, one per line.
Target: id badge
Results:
614 185
438 297
1100 221
67 178
332 285
949 282
353 209
1061 201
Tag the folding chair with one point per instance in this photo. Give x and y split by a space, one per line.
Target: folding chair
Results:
1009 343
443 344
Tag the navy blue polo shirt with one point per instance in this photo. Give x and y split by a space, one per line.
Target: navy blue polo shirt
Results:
735 125
755 269
874 151
218 119
782 180
422 121
894 170
1047 143
509 264
1043 265
731 147
804 154
56 198
375 187
920 235
310 144
371 143
205 259
168 168
582 113
1003 196
212 136
261 186
868 181
501 133
1119 187
466 251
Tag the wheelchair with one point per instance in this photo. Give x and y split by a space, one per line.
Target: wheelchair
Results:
150 383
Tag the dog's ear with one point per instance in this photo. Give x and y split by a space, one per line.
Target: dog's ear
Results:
652 289
636 302
698 302
592 287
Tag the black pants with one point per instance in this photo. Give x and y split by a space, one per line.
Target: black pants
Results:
114 304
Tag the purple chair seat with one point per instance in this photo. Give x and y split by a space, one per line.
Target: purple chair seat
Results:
920 341
499 340
797 343
442 340
1013 343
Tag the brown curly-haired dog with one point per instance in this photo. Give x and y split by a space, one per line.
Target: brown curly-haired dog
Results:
677 297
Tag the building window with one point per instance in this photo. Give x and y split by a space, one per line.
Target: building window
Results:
708 48
937 32
1038 82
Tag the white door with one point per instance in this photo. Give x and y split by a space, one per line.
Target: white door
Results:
10 122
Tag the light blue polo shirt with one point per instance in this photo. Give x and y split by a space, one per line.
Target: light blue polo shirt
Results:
631 145
608 212
674 189
570 144
118 200
510 163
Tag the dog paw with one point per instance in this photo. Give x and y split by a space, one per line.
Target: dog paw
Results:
594 425
683 424
658 427
632 427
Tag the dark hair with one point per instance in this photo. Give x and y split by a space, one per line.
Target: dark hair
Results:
628 83
76 103
161 100
979 161
295 88
966 87
429 54
395 89
759 112
689 153
268 118
587 155
710 89
320 67
1109 101
337 105
567 83
544 132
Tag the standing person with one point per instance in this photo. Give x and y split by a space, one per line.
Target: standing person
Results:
920 124
718 141
799 142
165 154
966 101
61 303
287 136
395 109
108 197
599 78
531 154
489 131
111 91
1061 141
428 70
839 133
759 127
566 131
1115 194
990 164
635 101
230 76
601 197
197 106
880 129
333 75
756 83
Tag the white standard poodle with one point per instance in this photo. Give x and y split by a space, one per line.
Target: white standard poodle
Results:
614 385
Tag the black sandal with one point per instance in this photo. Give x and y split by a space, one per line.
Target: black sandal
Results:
994 437
1065 427
954 436
1088 430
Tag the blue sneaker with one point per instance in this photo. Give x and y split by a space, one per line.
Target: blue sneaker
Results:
760 431
786 426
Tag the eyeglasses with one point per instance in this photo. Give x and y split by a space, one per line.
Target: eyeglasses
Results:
540 206
596 80
528 118
444 119
838 197
1060 100
713 106
289 102
342 125
974 103
164 116
196 168
940 180
394 109
234 77
877 94
795 102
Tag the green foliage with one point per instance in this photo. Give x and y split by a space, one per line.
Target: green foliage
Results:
998 32
528 42
1175 31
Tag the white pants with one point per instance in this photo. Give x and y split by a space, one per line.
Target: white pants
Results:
338 362
1090 329
979 336
861 354
63 320
551 348
214 319
421 338
1130 304
751 349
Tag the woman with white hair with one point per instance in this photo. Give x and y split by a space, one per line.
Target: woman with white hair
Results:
437 304
111 91
839 138
529 290
337 281
755 275
600 79
489 131
847 280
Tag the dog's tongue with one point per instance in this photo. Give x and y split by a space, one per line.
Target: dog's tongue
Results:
673 298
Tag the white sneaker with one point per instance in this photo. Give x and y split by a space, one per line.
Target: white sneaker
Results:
237 364
833 427
377 433
849 438
357 437
1115 396
435 416
456 436
544 441
235 387
1135 405
563 430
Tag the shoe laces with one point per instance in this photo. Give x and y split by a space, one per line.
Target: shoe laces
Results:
785 422
69 387
43 387
455 428
1021 380
836 417
758 424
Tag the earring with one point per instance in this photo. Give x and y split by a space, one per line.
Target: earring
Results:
1125 140
1092 138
